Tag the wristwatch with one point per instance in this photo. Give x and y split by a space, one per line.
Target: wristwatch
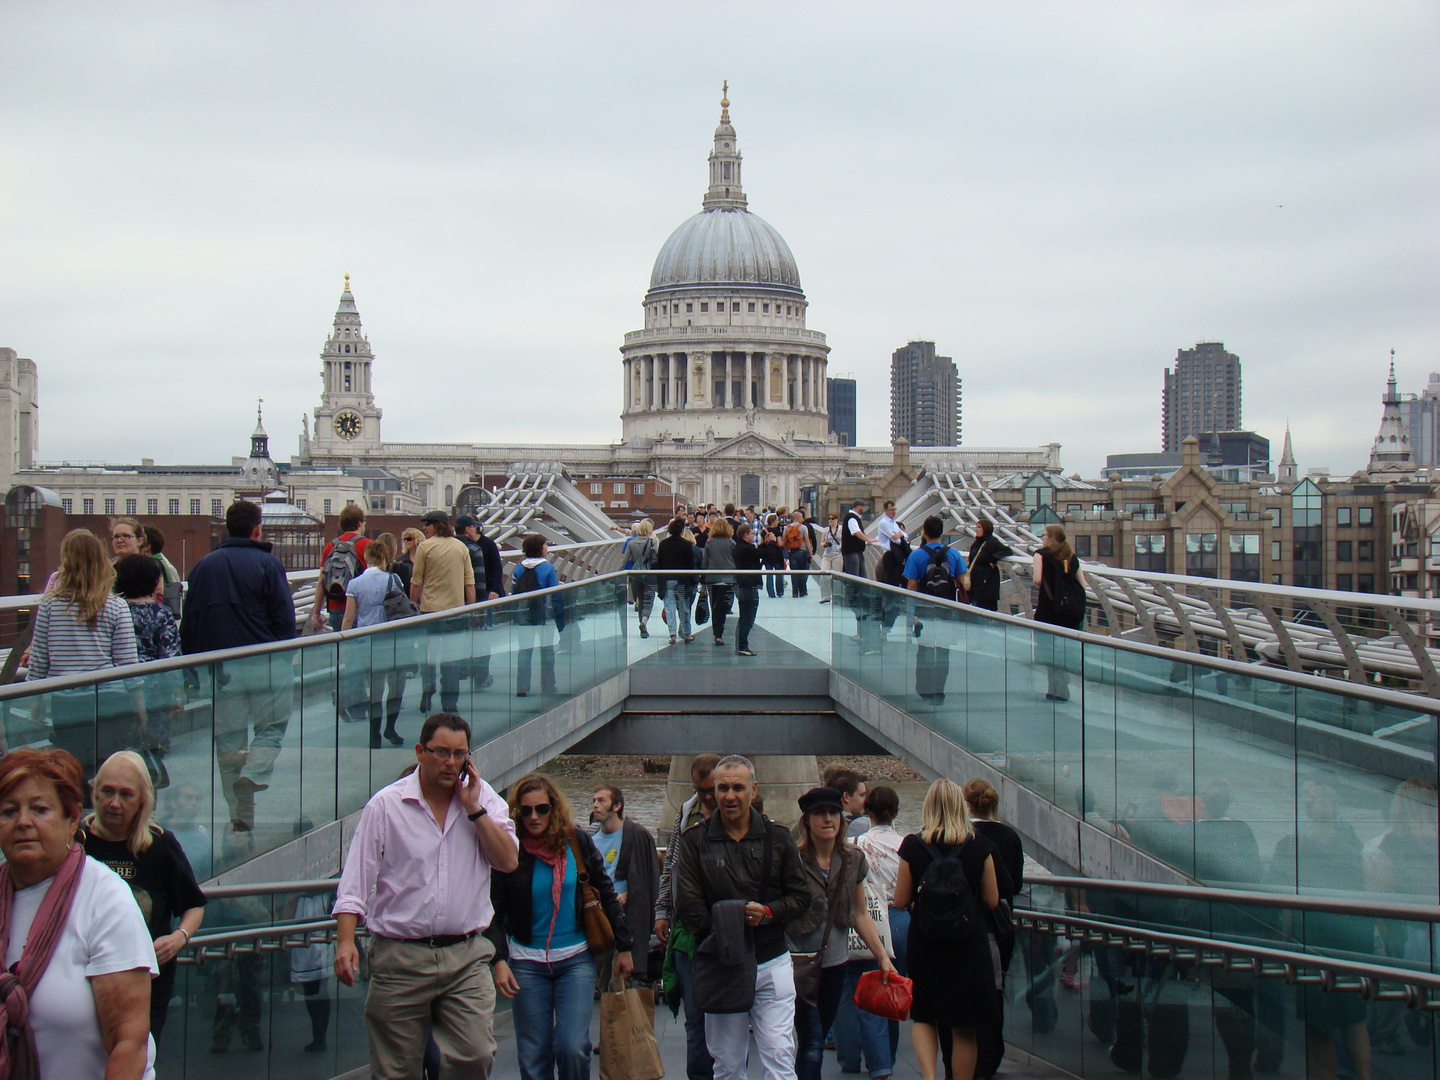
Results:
477 814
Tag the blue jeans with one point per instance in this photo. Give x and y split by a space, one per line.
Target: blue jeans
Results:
552 1017
748 597
813 1021
678 598
699 1065
774 585
857 1031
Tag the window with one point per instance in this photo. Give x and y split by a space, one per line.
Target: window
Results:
727 170
1202 555
765 309
1344 551
1272 515
327 507
65 505
787 308
619 504
1365 582
704 305
1082 546
619 487
639 489
1343 515
1150 552
1274 550
1365 517
217 508
752 307
735 306
87 506
1235 508
195 508
1345 582
597 489
1245 556
300 504
1105 547
689 306
130 507
1305 503
172 506
152 506
1365 551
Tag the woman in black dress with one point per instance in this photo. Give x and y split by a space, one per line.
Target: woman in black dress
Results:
983 801
984 562
954 981
1055 560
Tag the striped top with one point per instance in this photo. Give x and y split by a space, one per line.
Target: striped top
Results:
62 645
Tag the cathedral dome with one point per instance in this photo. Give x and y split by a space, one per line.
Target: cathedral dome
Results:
725 247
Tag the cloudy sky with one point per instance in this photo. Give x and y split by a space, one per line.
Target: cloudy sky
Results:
1059 195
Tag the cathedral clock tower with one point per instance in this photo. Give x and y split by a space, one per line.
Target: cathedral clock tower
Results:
347 421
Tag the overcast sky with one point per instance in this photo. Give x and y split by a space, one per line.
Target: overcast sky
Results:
1059 195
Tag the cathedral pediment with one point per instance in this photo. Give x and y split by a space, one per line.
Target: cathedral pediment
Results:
750 445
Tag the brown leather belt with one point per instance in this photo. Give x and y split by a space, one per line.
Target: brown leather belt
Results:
440 941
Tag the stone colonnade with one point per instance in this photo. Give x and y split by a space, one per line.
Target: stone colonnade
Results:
726 380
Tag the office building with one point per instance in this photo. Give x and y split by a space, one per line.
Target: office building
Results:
924 396
840 393
1421 416
1202 393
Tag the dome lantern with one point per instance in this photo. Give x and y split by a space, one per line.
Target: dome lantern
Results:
725 192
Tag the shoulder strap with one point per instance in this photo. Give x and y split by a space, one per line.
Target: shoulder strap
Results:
832 894
581 874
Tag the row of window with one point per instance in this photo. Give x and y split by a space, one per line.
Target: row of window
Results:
659 309
1350 551
598 488
152 507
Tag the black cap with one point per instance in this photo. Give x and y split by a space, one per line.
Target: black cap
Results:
818 797
436 517
464 521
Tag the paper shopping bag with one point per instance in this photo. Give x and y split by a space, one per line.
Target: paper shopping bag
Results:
628 1050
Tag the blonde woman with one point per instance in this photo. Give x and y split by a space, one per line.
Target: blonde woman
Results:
122 834
950 963
641 553
81 625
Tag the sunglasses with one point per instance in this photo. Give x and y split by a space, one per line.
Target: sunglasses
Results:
539 810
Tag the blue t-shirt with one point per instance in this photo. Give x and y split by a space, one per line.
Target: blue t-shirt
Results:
921 556
567 932
609 845
369 590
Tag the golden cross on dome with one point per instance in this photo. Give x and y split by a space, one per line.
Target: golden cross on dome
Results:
347 282
725 102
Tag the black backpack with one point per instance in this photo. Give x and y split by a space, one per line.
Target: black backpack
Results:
938 581
1067 598
944 902
398 604
532 612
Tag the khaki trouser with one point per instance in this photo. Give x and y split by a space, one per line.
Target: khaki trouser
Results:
417 990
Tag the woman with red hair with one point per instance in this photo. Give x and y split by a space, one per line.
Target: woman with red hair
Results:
76 951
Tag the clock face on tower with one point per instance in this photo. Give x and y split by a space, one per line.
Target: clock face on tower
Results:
348 424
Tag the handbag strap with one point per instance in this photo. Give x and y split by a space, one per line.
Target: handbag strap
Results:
765 861
832 908
581 874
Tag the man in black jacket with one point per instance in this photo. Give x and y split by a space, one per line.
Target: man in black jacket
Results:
723 859
237 595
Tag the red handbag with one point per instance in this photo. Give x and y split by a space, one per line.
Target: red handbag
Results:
888 998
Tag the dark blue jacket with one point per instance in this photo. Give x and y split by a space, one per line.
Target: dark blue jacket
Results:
237 595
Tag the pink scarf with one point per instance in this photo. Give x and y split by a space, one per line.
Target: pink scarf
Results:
557 878
22 1062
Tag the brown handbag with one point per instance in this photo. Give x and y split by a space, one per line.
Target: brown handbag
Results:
599 934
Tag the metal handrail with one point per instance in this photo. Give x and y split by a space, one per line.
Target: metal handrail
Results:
1382 909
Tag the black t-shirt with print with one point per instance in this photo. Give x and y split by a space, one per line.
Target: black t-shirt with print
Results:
160 877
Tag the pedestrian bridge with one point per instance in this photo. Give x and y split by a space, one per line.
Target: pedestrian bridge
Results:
1115 759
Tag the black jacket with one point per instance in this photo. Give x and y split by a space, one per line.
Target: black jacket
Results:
510 895
237 595
676 553
639 867
711 867
494 576
985 556
747 557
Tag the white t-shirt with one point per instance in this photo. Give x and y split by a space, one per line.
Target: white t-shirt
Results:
105 933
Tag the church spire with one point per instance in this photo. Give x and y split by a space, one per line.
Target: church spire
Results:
1391 451
1288 466
725 192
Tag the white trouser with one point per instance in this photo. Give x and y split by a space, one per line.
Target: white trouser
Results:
834 563
772 1018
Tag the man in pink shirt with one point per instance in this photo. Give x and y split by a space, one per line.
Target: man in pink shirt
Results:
420 877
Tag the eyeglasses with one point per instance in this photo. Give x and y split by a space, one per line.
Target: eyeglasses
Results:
449 755
123 536
539 810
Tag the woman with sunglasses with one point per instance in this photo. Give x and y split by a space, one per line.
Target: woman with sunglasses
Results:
542 961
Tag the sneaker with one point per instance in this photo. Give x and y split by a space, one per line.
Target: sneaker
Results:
672 639
744 652
719 642
824 601
643 631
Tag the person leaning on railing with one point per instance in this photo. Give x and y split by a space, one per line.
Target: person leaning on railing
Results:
75 998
